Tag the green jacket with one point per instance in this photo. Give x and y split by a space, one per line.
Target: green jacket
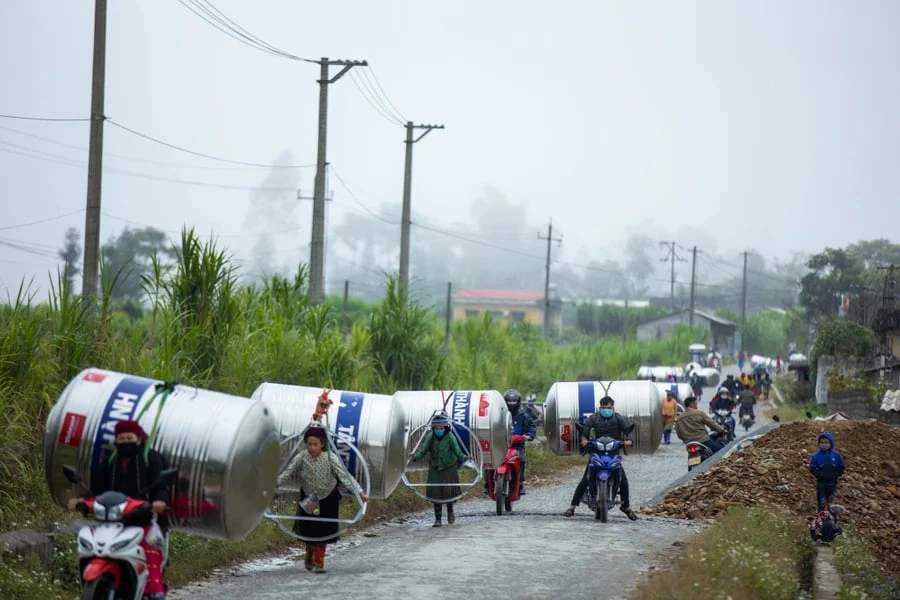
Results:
444 452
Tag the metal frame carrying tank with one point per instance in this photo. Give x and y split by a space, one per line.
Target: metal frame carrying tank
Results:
225 447
375 423
482 411
682 391
569 402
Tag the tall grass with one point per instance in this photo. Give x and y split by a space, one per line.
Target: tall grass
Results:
205 329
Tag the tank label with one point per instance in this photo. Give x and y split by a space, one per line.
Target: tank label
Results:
566 437
459 413
120 406
586 402
483 405
94 377
348 417
72 429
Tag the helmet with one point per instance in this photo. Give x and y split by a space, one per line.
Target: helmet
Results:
723 390
513 400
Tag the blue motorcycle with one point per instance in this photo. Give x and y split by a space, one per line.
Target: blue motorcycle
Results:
604 473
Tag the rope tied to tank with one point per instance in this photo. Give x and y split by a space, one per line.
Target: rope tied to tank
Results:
161 391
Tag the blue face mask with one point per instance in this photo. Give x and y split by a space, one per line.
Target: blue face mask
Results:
606 412
439 433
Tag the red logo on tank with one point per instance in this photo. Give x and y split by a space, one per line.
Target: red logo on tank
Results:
94 377
483 405
485 445
566 437
72 429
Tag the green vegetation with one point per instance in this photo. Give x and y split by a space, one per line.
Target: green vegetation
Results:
842 338
750 553
860 575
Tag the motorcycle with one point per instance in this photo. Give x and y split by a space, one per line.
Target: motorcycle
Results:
724 419
604 470
504 486
746 420
697 453
110 558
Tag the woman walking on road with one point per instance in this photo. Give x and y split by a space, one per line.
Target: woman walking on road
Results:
444 459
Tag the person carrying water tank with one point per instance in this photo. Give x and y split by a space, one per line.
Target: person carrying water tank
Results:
826 465
692 423
445 456
130 470
604 422
696 385
669 411
321 474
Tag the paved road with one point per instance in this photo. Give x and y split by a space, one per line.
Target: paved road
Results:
534 552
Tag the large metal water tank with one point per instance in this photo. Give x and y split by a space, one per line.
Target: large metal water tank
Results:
570 402
682 391
484 412
374 423
661 373
225 447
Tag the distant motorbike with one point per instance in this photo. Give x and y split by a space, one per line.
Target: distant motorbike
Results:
724 419
697 453
747 420
604 473
504 486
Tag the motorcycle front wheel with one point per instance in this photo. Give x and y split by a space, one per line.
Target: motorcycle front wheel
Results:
602 512
99 589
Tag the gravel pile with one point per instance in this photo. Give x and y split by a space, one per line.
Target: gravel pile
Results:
773 471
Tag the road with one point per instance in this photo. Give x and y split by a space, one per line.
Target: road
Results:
534 552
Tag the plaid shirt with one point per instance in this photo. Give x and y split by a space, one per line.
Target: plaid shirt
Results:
318 475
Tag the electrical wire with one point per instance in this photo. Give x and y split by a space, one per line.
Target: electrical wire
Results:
372 101
202 154
48 119
356 199
384 94
47 220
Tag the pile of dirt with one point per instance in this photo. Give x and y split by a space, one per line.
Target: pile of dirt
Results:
773 471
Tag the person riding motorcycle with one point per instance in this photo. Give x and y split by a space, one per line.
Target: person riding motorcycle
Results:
521 423
692 423
604 422
747 400
131 469
724 401
731 384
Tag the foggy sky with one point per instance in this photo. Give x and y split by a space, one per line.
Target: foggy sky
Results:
772 125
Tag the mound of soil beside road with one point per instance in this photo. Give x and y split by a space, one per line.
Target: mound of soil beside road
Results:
773 471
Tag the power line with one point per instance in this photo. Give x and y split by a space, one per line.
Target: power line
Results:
356 199
149 160
47 220
372 100
219 21
384 94
48 119
202 154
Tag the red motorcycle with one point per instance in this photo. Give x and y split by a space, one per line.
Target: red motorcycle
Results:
504 486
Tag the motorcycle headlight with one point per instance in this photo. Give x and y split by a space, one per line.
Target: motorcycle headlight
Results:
85 544
609 446
127 541
114 513
99 511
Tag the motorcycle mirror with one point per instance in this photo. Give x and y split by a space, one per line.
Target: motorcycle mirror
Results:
71 474
166 477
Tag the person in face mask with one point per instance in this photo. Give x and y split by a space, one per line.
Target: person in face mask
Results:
826 465
130 470
444 459
605 422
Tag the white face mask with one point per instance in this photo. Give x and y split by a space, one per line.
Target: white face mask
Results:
824 447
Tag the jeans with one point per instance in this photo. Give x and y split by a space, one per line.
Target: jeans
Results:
827 533
825 491
746 409
585 481
713 445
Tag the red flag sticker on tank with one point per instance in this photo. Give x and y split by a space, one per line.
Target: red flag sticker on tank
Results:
485 446
72 430
483 405
94 376
566 437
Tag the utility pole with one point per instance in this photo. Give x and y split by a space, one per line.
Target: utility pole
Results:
693 282
744 301
449 315
317 243
346 318
407 197
95 158
672 257
889 316
550 239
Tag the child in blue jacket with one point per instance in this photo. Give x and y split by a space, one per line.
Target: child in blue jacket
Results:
826 465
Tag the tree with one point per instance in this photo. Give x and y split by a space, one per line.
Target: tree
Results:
71 254
833 272
842 338
128 257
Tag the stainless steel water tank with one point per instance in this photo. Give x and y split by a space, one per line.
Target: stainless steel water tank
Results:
682 391
484 412
225 447
660 373
374 423
569 402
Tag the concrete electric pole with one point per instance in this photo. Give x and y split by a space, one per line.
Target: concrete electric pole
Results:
693 283
744 301
317 243
672 257
550 239
407 197
95 158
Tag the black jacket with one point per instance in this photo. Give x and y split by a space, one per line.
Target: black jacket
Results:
616 427
523 424
132 477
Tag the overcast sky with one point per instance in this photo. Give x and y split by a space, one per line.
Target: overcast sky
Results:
772 125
